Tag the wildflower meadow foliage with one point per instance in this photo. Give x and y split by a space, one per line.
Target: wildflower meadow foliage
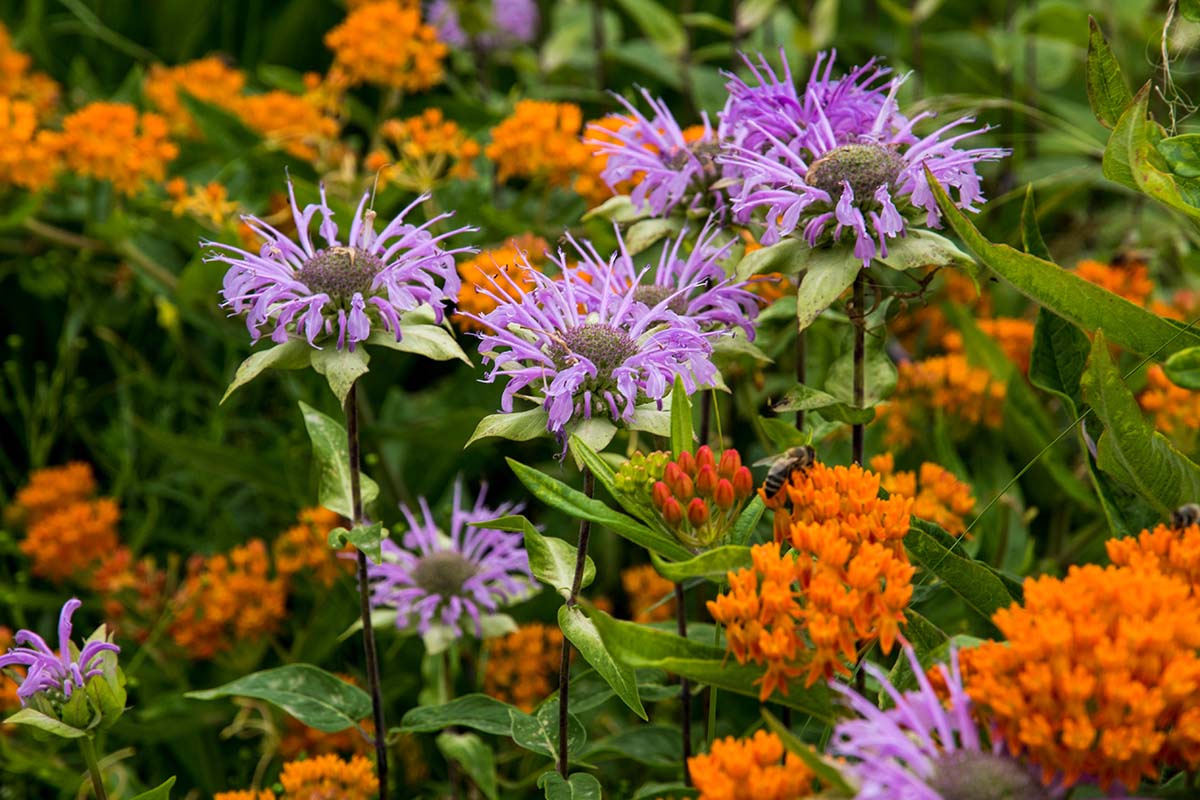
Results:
505 399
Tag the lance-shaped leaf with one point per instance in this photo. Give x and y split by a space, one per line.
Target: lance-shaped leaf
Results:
332 453
1132 159
551 559
476 711
582 633
538 732
979 587
367 538
160 792
45 723
518 426
828 272
618 209
1107 91
786 256
806 398
292 354
825 769
309 694
713 565
681 419
474 757
580 786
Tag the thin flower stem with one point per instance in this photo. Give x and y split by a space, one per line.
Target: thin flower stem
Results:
93 765
564 664
685 687
372 655
801 371
860 356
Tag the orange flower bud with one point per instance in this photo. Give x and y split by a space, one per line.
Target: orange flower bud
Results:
672 512
697 512
704 457
686 462
679 483
706 480
660 494
724 495
743 483
731 462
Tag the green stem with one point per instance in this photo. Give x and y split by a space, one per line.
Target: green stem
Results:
564 664
859 319
93 765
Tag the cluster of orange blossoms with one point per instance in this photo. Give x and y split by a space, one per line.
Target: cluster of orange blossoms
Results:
294 123
846 582
646 590
937 495
227 599
1171 551
1014 335
750 769
424 151
208 79
386 43
504 266
19 82
1130 280
31 156
305 546
968 396
113 142
67 531
522 665
320 778
1175 410
209 203
539 142
1099 676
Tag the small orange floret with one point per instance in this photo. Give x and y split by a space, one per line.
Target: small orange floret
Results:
294 123
967 395
67 543
522 664
209 79
1175 410
937 495
53 488
31 157
209 203
18 82
113 142
1130 280
646 590
386 43
755 768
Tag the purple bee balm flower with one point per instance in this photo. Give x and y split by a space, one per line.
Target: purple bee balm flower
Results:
822 181
48 671
438 578
584 352
342 285
713 301
669 167
511 22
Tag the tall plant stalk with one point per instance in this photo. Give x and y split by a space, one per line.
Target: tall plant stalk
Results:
685 688
859 318
372 654
801 371
93 767
564 664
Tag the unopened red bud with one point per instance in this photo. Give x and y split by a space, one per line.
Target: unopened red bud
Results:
724 496
697 512
660 494
672 473
684 489
686 462
706 480
743 483
704 458
730 463
672 512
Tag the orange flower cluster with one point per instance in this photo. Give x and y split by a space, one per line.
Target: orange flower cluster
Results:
295 123
1014 335
425 150
31 156
770 286
1130 280
305 546
522 665
540 142
967 395
227 599
246 794
1099 677
646 589
209 79
386 43
52 488
588 182
328 776
18 82
113 142
8 687
937 495
504 266
133 591
1171 551
209 203
1184 305
1175 410
300 740
750 769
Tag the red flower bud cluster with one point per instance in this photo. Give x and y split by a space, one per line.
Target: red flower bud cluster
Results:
699 497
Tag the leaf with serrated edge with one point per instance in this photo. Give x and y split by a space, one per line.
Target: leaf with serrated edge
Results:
292 354
309 694
582 633
332 454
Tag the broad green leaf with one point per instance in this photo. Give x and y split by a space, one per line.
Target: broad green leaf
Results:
551 559
713 565
653 745
786 256
825 769
1126 512
640 646
1107 91
922 248
341 368
519 426
580 786
618 209
36 719
806 398
828 272
558 495
309 694
658 789
1131 158
1130 449
1031 232
596 431
582 633
1182 154
1068 295
879 374
736 347
659 25
292 354
477 711
367 538
538 732
644 234
974 582
431 341
681 419
1060 353
160 792
474 757
332 455
650 419
1183 368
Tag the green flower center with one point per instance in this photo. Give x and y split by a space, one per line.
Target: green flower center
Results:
865 167
340 272
652 295
967 775
444 573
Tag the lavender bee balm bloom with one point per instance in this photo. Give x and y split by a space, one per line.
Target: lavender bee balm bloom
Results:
58 673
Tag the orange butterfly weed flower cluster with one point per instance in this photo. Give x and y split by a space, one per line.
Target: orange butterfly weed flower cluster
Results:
522 665
293 123
133 590
208 79
326 777
19 82
1130 280
386 43
967 395
113 142
246 794
646 590
67 531
1171 551
227 599
937 495
504 266
750 769
424 151
1014 335
209 203
539 142
305 546
32 156
1175 410
1100 675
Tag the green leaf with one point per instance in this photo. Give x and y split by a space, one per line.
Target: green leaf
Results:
828 272
476 759
1130 449
1068 295
786 256
1182 154
582 633
580 786
518 426
36 719
1060 353
476 711
640 646
1031 233
596 431
681 419
712 565
431 341
558 495
1190 10
806 398
618 209
292 354
367 538
309 694
1131 158
1183 368
653 745
341 368
659 25
332 454
551 559
539 732
221 128
825 769
648 418
160 792
979 587
1127 514
642 235
1107 91
748 521
922 248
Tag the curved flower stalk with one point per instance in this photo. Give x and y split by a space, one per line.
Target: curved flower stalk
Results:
58 674
338 284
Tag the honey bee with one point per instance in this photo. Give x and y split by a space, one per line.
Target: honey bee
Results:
784 464
1185 516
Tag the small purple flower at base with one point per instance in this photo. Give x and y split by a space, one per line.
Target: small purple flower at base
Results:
48 671
440 578
341 285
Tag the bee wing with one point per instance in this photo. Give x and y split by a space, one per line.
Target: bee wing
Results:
762 462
